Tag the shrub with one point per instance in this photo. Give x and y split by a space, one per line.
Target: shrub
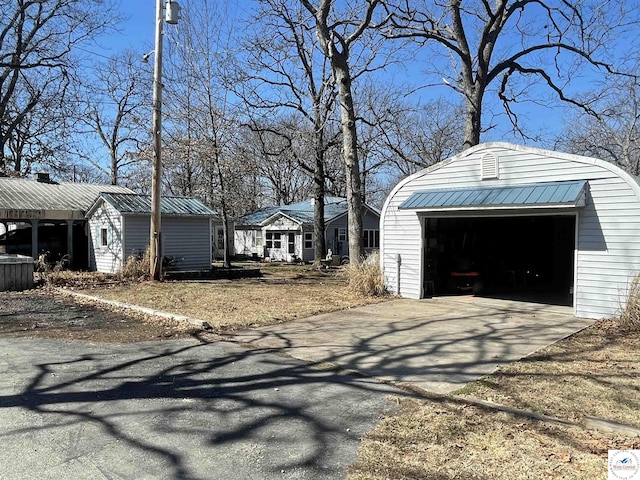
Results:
135 267
630 315
365 278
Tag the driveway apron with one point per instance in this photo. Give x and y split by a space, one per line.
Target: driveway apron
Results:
438 345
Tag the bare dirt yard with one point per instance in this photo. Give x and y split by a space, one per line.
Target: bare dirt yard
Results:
595 373
45 313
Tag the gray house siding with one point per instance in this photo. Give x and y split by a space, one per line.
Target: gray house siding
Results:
136 240
608 228
370 222
186 238
189 240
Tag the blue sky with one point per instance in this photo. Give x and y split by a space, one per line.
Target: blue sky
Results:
138 31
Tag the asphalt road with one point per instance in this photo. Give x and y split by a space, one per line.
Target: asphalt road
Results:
181 409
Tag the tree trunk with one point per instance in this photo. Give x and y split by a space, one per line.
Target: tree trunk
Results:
226 258
473 118
114 168
319 245
350 153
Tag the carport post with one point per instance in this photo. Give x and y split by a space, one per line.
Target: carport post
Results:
34 239
70 239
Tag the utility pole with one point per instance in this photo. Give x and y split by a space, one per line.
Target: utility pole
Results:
155 236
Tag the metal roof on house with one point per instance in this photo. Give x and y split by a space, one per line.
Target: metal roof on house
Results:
21 198
131 203
301 212
549 195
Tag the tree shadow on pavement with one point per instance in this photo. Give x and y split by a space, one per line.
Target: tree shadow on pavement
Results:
182 409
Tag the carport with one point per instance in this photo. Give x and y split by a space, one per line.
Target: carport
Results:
44 215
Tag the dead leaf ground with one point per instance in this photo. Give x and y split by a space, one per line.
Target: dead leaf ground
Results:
284 293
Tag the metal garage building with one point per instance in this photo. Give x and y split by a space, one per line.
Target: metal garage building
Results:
508 221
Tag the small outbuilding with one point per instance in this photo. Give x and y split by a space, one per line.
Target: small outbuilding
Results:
508 221
119 225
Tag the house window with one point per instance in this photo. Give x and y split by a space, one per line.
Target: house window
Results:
103 237
308 240
220 239
274 240
342 234
256 238
371 238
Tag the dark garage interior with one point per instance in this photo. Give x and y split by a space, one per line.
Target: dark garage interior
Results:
528 258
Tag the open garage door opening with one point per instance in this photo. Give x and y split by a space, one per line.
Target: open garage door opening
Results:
528 258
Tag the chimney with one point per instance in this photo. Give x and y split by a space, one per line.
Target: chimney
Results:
43 177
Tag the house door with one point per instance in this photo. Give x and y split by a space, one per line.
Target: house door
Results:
291 246
274 245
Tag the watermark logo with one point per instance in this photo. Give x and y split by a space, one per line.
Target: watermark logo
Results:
624 465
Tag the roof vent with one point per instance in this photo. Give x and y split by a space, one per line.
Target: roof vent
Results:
43 177
489 166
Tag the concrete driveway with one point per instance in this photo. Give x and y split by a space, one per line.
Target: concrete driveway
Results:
438 345
180 409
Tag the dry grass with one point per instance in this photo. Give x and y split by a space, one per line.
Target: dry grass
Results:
365 278
448 440
135 268
630 315
283 294
594 373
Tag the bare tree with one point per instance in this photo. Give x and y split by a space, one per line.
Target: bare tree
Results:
199 111
116 106
612 131
337 32
414 137
37 39
289 78
512 45
277 161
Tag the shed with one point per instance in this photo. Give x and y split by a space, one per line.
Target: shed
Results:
285 232
119 225
509 221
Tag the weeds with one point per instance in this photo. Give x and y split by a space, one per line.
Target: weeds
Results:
135 267
365 278
630 314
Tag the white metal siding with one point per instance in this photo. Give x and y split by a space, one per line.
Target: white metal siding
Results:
608 229
105 259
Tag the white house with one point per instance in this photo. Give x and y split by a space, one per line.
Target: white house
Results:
506 220
285 232
119 226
